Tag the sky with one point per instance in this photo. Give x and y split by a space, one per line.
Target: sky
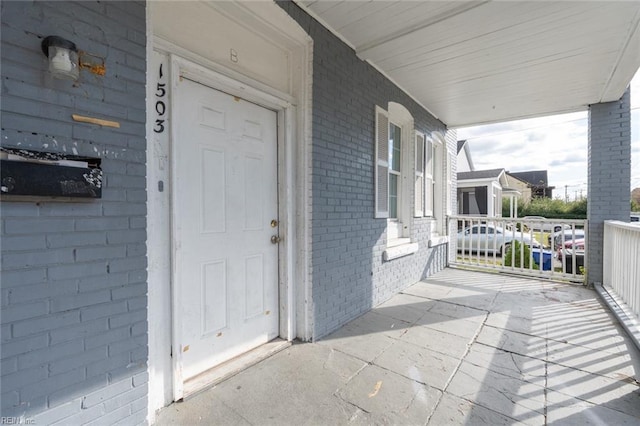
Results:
556 143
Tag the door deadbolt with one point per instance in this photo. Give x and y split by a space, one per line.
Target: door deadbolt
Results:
274 223
275 239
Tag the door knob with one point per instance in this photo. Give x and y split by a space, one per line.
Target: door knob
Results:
275 239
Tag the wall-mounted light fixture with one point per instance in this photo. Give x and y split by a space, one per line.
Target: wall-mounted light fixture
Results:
63 57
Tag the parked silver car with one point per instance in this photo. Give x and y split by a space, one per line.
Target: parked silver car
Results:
490 238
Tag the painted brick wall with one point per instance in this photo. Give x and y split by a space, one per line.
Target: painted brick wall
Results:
349 276
452 228
609 174
73 292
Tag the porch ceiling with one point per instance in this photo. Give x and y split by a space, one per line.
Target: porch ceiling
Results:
479 62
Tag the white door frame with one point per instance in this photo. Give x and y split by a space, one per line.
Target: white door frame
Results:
294 186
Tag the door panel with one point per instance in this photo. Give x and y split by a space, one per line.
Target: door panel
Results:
225 197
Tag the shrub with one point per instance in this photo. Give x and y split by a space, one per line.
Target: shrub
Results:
522 257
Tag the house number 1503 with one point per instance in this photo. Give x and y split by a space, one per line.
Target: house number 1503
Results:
161 106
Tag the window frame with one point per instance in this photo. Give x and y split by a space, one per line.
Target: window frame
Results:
425 179
398 228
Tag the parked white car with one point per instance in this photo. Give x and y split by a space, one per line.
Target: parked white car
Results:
543 225
492 239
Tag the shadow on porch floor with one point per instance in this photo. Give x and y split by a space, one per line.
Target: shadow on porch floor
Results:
460 348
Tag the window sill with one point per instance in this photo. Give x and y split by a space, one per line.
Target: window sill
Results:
393 242
437 240
399 250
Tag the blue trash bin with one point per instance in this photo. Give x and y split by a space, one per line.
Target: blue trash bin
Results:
547 255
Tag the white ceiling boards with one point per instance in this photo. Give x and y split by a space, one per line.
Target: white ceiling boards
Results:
481 62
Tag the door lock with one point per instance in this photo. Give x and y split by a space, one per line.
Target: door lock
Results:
275 239
274 223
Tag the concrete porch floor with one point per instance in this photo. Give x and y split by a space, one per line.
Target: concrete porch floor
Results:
460 348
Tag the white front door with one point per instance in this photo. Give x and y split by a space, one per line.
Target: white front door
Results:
225 213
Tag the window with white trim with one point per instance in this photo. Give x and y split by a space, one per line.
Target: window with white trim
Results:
409 166
394 135
434 201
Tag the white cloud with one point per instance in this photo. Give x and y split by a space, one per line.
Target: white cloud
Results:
558 144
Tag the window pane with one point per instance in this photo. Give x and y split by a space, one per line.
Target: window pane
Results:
428 168
393 196
395 137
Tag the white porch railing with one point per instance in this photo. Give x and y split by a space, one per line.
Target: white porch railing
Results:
550 248
621 262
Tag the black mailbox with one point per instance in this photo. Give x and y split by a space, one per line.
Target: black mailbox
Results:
34 173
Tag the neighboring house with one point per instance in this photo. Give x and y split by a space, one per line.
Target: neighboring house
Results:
465 163
245 173
524 188
480 192
538 182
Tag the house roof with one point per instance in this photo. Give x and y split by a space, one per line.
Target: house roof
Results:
515 178
471 62
533 177
467 151
480 174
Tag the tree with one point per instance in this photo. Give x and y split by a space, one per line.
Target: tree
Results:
551 209
635 200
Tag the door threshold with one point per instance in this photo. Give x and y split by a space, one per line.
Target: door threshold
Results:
228 369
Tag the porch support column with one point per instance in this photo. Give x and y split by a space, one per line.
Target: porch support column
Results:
609 175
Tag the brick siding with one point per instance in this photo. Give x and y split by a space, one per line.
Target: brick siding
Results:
348 274
609 175
73 292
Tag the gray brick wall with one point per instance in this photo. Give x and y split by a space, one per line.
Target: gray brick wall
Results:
349 276
73 284
609 175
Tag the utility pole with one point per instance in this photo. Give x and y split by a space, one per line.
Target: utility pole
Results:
566 196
